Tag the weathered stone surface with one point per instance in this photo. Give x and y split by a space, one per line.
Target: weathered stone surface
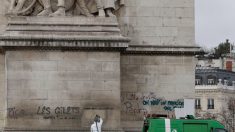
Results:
70 32
44 89
162 22
2 92
3 20
153 77
70 68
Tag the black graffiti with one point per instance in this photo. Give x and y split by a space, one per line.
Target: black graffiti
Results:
137 97
130 108
15 113
43 110
59 113
67 110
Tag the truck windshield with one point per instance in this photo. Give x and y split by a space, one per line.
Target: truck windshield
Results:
220 130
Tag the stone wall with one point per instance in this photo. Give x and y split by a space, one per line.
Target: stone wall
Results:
2 68
154 78
158 22
3 21
62 90
2 91
150 77
57 89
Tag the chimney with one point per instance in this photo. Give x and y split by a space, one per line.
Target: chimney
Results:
229 65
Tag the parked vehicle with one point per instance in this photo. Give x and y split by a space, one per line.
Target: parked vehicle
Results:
182 125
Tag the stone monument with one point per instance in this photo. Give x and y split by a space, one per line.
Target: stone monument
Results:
64 61
78 58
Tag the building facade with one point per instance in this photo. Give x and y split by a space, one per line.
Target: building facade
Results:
215 95
58 72
211 76
226 62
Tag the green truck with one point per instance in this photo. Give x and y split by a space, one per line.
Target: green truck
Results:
182 125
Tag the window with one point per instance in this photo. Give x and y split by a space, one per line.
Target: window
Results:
198 81
225 82
210 104
197 104
210 81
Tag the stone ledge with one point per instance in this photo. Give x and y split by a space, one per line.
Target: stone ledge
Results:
166 50
61 21
122 47
36 26
63 32
62 45
87 33
11 37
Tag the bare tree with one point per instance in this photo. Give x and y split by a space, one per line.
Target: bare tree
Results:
209 115
228 115
206 115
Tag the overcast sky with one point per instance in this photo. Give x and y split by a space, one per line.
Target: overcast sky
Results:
215 21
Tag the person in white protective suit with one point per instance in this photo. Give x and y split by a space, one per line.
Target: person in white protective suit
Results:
96 126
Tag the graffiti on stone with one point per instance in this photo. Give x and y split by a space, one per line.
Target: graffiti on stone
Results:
45 112
59 112
137 105
15 113
167 105
134 108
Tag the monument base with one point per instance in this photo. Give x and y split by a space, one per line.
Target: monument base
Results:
70 32
57 90
61 72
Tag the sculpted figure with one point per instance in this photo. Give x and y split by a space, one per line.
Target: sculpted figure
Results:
20 7
61 8
16 6
48 8
105 7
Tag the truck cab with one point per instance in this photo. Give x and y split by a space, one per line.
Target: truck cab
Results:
182 125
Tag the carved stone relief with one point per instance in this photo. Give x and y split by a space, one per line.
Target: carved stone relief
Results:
64 7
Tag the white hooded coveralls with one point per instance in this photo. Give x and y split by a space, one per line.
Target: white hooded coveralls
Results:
97 128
